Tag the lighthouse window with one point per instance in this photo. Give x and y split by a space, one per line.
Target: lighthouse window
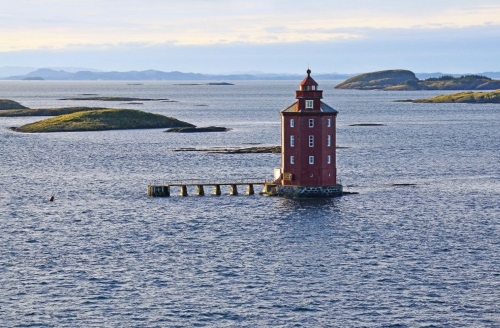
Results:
311 122
292 160
292 141
311 141
311 159
329 159
328 122
329 140
309 104
292 123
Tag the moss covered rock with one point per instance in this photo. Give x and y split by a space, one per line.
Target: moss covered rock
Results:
378 80
403 80
46 111
104 119
492 97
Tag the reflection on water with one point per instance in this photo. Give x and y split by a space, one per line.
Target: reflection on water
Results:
103 252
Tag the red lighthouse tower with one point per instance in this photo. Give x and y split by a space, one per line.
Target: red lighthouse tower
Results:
308 155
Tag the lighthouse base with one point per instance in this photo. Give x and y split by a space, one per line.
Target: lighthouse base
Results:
303 191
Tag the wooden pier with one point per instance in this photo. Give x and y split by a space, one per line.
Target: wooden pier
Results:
165 189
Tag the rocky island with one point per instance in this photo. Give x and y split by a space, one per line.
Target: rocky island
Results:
46 111
469 97
195 129
404 80
103 119
107 98
7 104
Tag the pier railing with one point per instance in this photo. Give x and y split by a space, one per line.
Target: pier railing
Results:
163 188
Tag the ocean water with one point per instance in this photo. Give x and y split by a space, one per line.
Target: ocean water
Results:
419 246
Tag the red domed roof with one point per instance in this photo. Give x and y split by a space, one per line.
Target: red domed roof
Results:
308 80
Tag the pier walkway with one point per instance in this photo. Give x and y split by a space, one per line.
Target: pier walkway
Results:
164 189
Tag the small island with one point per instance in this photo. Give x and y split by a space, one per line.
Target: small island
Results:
195 129
469 97
46 111
103 119
210 83
7 104
115 99
404 80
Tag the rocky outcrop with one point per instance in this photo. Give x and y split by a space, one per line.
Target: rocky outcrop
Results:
104 119
403 80
195 129
6 104
465 97
378 80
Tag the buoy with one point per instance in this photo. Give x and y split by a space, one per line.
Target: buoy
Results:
51 198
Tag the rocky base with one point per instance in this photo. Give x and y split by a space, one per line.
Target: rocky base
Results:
303 191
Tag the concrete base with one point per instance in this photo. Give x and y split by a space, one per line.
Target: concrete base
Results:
303 191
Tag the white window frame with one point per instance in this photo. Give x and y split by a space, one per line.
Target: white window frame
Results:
292 123
311 123
329 140
292 141
328 122
311 159
309 103
328 159
292 160
311 141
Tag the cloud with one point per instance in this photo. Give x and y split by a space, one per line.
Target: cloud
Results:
455 50
28 24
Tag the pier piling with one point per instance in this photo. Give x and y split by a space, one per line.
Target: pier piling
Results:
200 191
233 190
217 190
250 190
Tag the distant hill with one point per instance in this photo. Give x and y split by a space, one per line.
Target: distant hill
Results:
404 80
378 80
153 75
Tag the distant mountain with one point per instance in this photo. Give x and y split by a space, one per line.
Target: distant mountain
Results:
153 75
7 71
14 70
86 74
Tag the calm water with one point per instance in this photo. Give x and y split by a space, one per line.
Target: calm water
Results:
104 254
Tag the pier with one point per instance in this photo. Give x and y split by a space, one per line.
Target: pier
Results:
166 189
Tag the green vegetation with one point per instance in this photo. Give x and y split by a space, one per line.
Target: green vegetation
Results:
377 80
46 111
6 104
402 80
492 97
103 119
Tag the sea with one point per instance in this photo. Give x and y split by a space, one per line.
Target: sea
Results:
417 246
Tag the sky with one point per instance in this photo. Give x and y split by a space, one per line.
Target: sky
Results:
271 36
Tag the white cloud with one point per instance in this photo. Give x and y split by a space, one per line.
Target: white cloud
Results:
265 35
28 24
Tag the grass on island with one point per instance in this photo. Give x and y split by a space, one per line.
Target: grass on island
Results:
106 119
46 111
400 80
469 97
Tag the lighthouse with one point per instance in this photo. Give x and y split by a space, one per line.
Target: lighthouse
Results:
308 154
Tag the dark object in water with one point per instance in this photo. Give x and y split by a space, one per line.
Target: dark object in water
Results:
51 198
